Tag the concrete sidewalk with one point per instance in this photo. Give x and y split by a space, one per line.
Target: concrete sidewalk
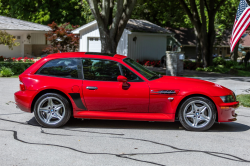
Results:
240 85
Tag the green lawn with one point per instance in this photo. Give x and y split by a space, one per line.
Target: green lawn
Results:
244 100
243 73
14 76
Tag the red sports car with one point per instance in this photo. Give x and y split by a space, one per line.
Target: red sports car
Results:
105 86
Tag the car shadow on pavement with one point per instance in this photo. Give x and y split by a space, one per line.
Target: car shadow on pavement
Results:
143 125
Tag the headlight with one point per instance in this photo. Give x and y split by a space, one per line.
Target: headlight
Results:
227 99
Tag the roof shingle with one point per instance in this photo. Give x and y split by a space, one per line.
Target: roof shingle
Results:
8 23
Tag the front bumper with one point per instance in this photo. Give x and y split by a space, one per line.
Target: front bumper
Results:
24 99
226 111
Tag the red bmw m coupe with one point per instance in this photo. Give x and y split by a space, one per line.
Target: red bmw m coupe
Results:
105 86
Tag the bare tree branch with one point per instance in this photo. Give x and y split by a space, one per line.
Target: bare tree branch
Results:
117 18
128 8
208 10
218 6
184 5
106 11
195 11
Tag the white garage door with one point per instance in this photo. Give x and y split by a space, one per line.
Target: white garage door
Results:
94 44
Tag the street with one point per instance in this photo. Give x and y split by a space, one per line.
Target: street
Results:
107 143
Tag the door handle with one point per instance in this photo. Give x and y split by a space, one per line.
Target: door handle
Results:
91 88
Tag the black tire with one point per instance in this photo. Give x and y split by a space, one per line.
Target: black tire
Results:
200 120
58 109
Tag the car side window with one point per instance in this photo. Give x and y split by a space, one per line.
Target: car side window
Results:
132 77
66 68
100 70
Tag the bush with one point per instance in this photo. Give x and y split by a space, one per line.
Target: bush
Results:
16 67
219 68
6 72
219 61
1 58
190 65
229 64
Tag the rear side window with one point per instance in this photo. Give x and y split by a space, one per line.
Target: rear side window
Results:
66 68
100 70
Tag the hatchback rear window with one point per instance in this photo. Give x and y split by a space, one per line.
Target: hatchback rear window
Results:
66 68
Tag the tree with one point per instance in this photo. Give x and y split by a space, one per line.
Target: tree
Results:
46 11
224 21
61 39
162 13
111 28
202 15
8 40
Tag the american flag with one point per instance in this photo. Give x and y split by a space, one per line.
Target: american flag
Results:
242 21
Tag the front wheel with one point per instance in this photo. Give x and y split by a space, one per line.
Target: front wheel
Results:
52 110
197 114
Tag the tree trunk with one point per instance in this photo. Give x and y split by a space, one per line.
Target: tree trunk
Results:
211 39
108 44
110 28
234 54
198 49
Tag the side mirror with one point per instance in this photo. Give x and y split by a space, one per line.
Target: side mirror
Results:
122 79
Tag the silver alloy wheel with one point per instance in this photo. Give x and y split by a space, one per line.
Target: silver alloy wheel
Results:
51 110
197 114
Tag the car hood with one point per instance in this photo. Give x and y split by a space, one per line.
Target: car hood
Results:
189 86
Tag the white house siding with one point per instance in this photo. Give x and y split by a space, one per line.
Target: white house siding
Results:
6 52
38 38
146 47
17 50
122 47
91 31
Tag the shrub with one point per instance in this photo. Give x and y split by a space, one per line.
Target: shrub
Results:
190 65
200 69
16 67
1 58
219 61
229 64
6 72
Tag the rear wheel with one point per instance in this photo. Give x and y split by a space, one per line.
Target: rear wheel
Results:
197 114
52 110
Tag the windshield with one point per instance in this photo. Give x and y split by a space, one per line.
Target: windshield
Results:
141 69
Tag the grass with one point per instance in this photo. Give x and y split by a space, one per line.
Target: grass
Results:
244 100
243 73
14 76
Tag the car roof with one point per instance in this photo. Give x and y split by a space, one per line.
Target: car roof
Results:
84 55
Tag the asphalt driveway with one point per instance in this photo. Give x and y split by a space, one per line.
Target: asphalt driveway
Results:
102 142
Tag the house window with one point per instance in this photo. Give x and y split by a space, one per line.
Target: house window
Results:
228 50
18 37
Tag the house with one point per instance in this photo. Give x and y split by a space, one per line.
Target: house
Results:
30 36
187 39
140 40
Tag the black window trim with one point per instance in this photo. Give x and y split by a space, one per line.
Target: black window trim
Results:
119 65
80 70
135 70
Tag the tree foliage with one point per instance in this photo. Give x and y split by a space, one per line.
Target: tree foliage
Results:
61 39
8 40
46 11
162 13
